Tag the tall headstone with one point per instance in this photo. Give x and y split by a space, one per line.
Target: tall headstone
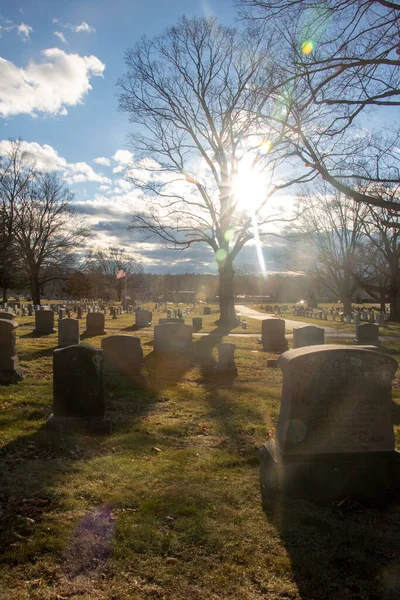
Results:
226 360
335 434
78 395
367 334
197 323
68 332
7 316
308 336
273 335
123 357
207 310
94 324
172 337
10 372
44 322
143 318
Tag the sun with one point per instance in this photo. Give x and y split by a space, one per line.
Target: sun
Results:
249 188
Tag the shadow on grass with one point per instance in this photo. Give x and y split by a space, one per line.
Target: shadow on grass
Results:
344 551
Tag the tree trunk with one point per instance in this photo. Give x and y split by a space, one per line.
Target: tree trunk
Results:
35 289
226 297
394 299
5 294
346 305
382 299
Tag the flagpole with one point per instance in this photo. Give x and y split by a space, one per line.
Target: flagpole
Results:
126 277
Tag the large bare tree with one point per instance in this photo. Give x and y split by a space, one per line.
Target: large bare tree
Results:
47 231
327 243
195 95
342 68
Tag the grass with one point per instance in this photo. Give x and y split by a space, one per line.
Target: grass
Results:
168 507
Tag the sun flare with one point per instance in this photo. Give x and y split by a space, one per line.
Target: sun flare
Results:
249 189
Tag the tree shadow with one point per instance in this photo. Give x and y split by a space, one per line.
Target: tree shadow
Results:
343 550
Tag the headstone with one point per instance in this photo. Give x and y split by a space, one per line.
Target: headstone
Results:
61 313
78 396
79 312
44 322
356 318
172 337
364 315
143 318
367 334
68 332
7 316
123 357
380 319
10 372
197 323
94 324
273 335
169 313
30 310
334 436
244 324
226 360
207 310
272 363
308 336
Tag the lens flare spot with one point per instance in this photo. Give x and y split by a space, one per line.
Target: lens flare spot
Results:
265 147
307 47
228 235
220 255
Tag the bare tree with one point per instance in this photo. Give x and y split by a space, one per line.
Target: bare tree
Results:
109 263
384 257
47 231
196 94
342 61
327 243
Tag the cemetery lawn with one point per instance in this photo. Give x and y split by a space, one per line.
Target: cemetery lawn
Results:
168 507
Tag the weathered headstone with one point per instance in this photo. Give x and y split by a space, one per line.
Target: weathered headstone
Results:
123 357
79 312
68 332
78 396
367 334
143 318
197 323
273 335
335 434
226 360
7 316
308 336
61 313
172 337
207 310
10 372
171 320
44 322
94 324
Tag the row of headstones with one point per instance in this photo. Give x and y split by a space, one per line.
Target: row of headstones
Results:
355 318
123 353
273 335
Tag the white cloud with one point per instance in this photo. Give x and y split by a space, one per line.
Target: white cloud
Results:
61 37
80 171
24 31
48 159
118 169
61 80
102 160
85 27
124 157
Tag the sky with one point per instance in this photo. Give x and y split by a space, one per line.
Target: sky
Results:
59 64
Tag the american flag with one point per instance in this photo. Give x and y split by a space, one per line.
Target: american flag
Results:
121 273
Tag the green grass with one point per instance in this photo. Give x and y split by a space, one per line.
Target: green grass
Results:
169 505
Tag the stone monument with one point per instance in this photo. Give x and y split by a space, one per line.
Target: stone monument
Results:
308 336
10 372
335 435
123 357
78 396
273 335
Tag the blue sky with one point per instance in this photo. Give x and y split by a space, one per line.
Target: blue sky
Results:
59 63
